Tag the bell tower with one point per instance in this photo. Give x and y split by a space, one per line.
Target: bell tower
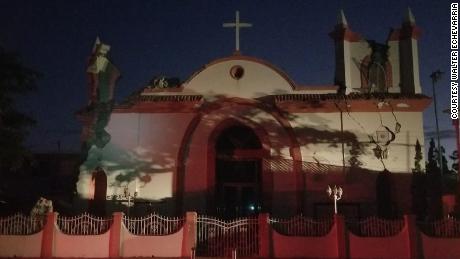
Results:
404 44
347 45
366 66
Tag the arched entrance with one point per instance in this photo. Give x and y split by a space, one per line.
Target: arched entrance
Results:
238 166
197 157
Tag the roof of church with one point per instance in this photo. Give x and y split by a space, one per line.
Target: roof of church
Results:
351 96
280 97
213 81
290 102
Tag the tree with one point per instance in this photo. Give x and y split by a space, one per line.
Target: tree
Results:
15 80
445 167
450 176
419 193
432 162
434 183
418 158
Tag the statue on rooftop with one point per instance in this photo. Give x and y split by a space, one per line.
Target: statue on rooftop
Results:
164 82
102 76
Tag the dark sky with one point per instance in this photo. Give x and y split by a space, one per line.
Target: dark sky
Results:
176 38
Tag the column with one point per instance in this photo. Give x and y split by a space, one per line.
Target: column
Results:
47 250
264 235
341 236
412 239
190 232
115 235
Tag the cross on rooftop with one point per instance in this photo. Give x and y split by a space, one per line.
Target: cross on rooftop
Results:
237 24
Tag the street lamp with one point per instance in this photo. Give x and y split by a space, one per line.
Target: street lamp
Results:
335 194
435 77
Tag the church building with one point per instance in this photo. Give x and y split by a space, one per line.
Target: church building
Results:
240 137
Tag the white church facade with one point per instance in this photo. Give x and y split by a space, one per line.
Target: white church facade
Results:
240 137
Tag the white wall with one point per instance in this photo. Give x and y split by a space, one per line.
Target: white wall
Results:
258 80
360 124
142 155
393 57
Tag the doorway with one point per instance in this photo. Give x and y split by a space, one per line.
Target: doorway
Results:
238 172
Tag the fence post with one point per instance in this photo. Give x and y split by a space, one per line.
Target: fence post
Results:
411 227
341 236
115 235
264 237
47 250
189 238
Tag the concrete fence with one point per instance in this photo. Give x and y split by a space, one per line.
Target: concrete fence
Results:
119 241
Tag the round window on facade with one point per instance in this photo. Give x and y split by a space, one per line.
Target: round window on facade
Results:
237 72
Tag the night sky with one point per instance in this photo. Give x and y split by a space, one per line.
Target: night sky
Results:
176 38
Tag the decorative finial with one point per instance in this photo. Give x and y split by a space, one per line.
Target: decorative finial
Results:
410 19
341 19
96 44
237 24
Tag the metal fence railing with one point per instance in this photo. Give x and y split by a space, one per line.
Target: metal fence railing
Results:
217 237
84 224
447 227
153 225
375 227
19 224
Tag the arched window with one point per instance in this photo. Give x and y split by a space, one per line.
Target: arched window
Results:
376 77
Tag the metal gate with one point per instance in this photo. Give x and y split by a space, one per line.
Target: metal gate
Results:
220 237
